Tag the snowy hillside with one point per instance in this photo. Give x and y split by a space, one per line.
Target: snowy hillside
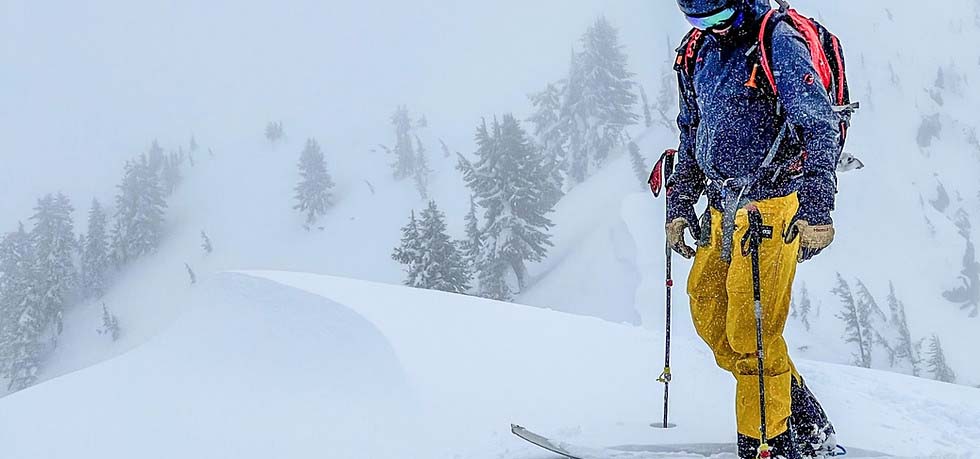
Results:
242 366
274 364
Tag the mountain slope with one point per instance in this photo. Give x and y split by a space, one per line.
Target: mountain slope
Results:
353 369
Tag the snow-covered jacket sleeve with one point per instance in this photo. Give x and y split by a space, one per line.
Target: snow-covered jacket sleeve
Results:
688 180
808 107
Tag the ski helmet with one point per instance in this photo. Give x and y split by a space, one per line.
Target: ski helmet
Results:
704 7
717 14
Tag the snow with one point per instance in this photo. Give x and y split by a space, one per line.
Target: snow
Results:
281 364
241 367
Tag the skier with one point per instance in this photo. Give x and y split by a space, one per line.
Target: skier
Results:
729 128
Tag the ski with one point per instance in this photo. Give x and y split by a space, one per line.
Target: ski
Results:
687 451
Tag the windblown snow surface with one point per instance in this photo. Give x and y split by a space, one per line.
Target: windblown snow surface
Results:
291 365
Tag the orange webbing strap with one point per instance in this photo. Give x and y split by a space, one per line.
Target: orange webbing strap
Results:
812 37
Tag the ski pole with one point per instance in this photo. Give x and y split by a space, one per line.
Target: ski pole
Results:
661 176
754 237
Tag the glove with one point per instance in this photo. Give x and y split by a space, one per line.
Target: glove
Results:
813 238
675 235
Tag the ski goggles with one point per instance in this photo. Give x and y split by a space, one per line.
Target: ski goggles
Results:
712 21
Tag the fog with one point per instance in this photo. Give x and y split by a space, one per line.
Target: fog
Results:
87 84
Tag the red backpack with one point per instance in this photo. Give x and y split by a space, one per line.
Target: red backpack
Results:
825 50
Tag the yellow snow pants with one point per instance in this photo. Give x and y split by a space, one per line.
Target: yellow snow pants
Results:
723 309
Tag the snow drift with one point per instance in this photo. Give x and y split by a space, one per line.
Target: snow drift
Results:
276 364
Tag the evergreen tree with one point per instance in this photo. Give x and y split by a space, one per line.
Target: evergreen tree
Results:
640 167
53 236
192 147
513 183
856 324
43 277
170 176
967 295
95 253
140 208
274 132
600 98
190 274
474 239
313 192
550 127
647 117
422 170
936 362
445 149
803 308
155 157
576 162
110 324
409 253
405 157
20 318
875 323
442 264
206 243
905 350
667 103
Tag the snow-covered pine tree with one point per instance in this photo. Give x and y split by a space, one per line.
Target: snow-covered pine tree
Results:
876 325
191 274
19 315
155 157
474 238
666 104
856 325
404 151
140 208
192 146
640 167
95 258
39 299
906 353
512 181
313 191
445 148
803 307
550 127
409 253
55 245
647 117
206 243
274 132
576 163
171 176
110 324
422 171
936 362
442 264
967 295
600 98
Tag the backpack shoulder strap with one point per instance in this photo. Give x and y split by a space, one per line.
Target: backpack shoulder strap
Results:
811 35
687 52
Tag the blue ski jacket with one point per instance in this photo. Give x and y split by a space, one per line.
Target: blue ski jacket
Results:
728 128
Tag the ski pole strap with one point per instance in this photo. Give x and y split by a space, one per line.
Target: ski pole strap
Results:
661 172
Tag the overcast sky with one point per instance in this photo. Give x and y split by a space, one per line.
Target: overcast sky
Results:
88 83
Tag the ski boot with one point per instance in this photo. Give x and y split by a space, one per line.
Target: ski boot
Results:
815 435
781 447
